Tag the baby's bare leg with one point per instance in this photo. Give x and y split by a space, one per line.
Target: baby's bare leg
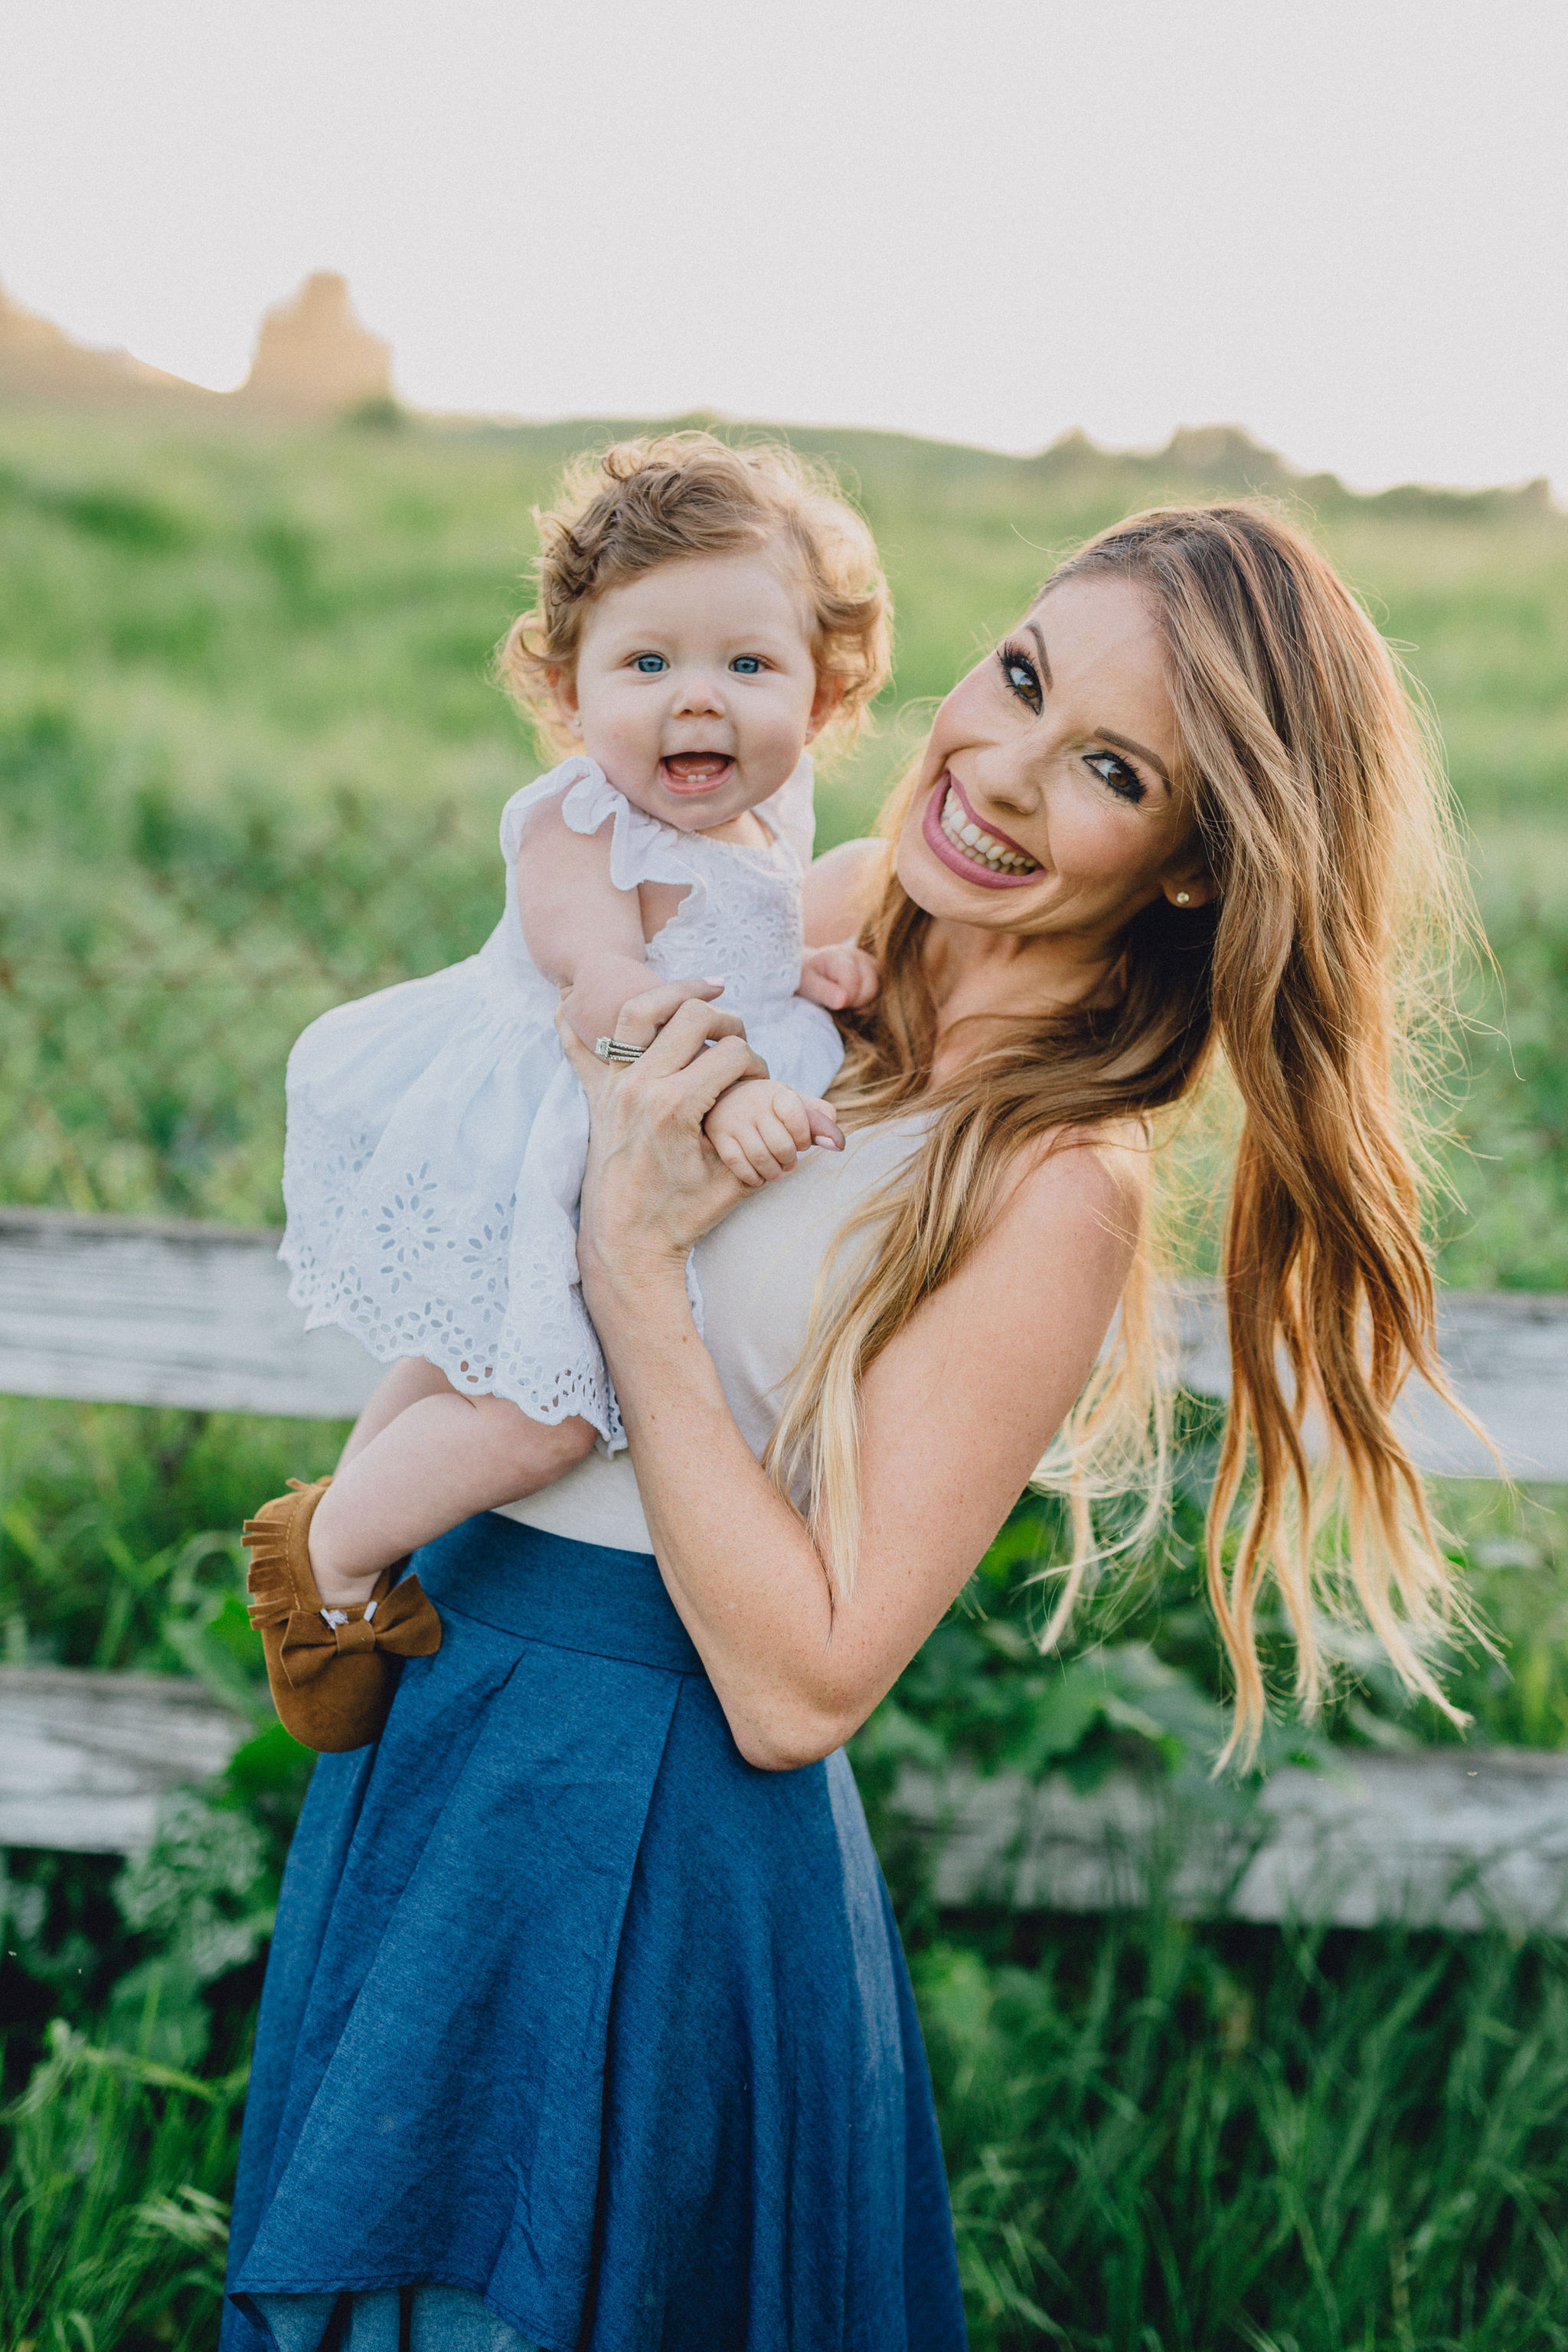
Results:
443 1458
410 1379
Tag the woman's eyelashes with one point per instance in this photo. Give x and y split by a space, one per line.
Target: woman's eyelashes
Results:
1022 676
1111 769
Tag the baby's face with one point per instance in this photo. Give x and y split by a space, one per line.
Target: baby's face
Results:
695 686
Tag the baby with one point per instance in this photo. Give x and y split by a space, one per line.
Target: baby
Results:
702 612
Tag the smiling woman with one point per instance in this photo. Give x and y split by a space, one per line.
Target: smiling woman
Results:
1185 812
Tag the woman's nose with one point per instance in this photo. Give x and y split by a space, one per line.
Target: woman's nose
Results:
1008 790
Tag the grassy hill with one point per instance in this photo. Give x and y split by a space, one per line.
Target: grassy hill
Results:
250 760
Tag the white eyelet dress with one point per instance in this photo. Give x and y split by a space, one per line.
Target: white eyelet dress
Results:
437 1137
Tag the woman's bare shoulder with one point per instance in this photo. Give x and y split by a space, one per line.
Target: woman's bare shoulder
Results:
1085 1180
841 890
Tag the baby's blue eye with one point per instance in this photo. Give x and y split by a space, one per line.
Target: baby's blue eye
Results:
651 663
746 664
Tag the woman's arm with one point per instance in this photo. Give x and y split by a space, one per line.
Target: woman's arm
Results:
956 1414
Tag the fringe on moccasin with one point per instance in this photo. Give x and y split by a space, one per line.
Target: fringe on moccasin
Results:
331 1672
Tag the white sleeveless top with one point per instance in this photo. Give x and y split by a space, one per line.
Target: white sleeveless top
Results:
758 1271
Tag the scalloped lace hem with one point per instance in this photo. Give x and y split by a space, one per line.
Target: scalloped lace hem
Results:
549 1388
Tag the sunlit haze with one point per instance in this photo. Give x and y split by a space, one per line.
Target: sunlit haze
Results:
1342 225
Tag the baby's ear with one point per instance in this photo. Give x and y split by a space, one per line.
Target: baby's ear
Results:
561 680
825 702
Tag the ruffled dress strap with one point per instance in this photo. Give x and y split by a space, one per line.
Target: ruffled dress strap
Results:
548 787
642 849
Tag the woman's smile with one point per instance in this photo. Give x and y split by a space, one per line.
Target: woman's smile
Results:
978 852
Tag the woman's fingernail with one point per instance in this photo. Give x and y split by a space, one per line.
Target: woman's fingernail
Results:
712 982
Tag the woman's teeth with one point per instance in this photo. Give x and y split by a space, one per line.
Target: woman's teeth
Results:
975 843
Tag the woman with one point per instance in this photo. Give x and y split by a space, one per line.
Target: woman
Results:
586 2022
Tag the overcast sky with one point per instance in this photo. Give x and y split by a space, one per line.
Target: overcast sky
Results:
1341 222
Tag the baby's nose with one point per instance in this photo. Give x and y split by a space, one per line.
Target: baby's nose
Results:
700 692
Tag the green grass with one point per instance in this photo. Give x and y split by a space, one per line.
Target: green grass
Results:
1169 2139
250 764
113 2213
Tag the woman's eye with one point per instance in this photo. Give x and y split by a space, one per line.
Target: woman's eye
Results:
1023 679
650 664
1124 781
746 664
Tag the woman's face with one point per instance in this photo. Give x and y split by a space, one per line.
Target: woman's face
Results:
1047 802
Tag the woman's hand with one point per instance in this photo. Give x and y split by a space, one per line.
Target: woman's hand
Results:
654 1184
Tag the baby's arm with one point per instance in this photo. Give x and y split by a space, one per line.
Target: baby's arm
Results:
580 930
839 893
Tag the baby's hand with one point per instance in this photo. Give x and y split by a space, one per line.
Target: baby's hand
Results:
843 978
759 1129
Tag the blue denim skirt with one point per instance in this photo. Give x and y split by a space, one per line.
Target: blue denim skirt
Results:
571 2007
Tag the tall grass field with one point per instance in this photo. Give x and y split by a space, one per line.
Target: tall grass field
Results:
251 762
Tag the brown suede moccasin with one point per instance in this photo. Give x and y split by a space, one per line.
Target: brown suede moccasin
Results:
331 1670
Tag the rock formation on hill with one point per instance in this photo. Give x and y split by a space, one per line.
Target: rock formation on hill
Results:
314 357
39 361
316 360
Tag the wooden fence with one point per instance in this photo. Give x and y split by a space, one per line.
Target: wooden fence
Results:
110 1310
116 1311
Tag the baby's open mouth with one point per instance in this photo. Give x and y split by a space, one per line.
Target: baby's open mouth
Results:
696 771
972 841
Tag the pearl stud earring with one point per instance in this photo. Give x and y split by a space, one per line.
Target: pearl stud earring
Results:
1183 897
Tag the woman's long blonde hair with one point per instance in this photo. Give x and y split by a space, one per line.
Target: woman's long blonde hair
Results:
1328 830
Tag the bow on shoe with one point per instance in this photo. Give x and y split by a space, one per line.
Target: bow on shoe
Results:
402 1621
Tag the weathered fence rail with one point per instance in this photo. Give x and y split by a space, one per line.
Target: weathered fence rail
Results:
112 1310
1446 1837
116 1311
85 1756
1461 1838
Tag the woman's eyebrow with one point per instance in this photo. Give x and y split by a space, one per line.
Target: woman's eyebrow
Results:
1122 742
1129 743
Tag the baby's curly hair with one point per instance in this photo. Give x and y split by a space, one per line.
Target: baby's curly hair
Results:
626 510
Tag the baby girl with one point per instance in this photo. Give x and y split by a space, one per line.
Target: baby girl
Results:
703 612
